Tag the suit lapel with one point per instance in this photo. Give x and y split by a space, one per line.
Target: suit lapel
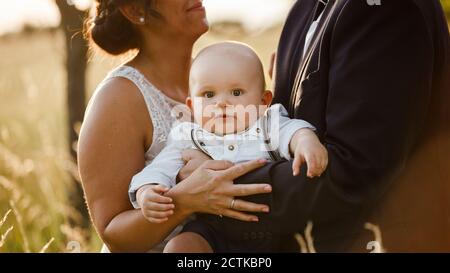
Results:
290 48
315 41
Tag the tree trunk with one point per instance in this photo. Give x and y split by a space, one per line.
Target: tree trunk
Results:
76 63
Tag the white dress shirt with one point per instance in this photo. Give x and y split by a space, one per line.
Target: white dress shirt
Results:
244 146
312 30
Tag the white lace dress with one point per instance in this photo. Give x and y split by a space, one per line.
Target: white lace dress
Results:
163 111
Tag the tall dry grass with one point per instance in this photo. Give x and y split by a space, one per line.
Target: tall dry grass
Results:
36 171
33 196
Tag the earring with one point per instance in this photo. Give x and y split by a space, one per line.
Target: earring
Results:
142 20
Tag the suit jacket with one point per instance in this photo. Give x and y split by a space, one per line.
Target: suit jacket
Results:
375 84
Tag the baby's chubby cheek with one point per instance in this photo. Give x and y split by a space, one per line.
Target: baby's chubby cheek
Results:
201 119
205 119
247 118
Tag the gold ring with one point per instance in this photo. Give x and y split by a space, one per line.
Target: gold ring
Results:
232 203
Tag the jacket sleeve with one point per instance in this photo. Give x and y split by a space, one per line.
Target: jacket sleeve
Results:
380 74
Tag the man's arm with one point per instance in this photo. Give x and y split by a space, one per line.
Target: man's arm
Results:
379 87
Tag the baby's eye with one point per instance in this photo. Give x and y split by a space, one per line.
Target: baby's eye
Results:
237 92
208 94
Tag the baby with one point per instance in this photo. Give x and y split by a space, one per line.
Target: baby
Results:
233 121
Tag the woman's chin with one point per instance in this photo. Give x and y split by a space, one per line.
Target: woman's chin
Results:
199 23
204 27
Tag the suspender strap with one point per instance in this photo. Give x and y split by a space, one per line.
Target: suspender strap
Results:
265 124
198 145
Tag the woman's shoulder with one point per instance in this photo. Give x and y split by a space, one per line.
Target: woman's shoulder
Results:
117 94
117 105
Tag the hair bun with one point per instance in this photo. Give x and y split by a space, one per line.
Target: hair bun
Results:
112 32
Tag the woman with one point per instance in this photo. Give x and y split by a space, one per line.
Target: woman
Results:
129 117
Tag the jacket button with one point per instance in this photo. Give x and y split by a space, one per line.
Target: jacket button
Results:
258 130
231 148
261 235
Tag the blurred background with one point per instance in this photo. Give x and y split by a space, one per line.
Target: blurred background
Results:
44 86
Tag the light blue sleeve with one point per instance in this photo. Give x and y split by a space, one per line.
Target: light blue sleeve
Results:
165 167
283 132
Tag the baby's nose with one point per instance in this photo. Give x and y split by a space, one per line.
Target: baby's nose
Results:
222 103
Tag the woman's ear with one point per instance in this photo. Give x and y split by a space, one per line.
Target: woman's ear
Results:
134 12
267 97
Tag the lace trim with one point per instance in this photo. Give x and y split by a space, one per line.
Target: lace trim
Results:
159 105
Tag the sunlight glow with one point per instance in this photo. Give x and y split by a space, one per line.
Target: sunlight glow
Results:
253 14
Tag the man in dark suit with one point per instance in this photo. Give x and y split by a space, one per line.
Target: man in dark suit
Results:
374 80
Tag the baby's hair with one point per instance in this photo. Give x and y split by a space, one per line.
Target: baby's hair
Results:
232 44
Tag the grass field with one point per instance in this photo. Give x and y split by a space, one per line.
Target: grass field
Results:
35 170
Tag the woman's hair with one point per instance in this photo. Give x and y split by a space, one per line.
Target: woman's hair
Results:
111 30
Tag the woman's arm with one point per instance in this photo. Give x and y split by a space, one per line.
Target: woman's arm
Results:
113 140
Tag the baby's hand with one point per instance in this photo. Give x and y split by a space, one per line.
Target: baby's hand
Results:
306 147
155 207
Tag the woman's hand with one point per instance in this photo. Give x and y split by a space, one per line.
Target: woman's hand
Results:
210 189
192 159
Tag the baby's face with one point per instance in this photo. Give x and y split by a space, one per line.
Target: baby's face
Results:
227 90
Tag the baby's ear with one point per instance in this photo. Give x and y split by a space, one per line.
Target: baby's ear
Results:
189 103
267 97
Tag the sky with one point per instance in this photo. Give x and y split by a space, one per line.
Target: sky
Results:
253 14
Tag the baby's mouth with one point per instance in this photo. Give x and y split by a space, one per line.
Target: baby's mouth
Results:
224 116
